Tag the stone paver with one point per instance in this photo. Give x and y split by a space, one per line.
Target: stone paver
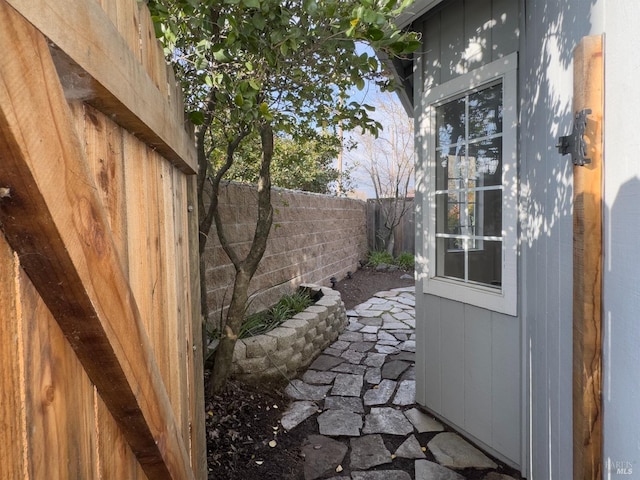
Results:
387 420
394 369
497 476
380 394
299 390
335 423
406 394
347 385
321 456
352 404
450 450
363 387
368 451
352 356
316 377
350 368
297 413
361 346
373 375
375 359
381 475
386 349
423 422
325 362
426 470
410 448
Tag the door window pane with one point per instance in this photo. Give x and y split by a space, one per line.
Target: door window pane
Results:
469 187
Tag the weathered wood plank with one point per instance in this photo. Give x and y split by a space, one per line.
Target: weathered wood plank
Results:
96 65
196 387
59 401
174 230
52 217
128 25
12 413
587 267
116 460
152 54
103 149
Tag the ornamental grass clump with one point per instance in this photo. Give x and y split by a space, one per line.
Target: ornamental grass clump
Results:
266 320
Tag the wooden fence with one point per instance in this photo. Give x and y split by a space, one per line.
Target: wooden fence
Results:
404 236
101 373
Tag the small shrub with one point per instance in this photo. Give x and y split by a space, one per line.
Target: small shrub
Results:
379 257
405 261
266 320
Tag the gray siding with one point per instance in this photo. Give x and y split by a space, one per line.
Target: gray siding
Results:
551 32
471 371
622 230
469 359
465 34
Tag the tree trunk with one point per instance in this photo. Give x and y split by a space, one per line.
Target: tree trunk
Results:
390 242
245 269
235 317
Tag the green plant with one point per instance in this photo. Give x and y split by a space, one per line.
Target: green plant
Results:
266 320
405 261
378 257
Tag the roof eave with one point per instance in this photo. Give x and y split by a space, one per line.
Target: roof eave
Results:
414 11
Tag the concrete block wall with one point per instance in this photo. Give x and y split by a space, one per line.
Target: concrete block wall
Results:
287 349
313 238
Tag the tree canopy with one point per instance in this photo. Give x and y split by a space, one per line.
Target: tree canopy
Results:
290 63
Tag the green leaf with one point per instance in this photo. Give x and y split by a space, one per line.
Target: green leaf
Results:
259 21
252 3
254 84
375 34
196 117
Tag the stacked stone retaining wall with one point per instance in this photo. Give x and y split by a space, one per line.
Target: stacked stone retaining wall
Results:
314 237
289 348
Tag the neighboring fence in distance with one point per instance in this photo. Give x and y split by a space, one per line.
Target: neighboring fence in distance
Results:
100 330
404 236
313 238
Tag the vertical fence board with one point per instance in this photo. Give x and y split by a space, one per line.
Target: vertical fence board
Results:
60 397
103 149
179 281
404 235
13 450
128 23
152 56
197 335
115 459
136 192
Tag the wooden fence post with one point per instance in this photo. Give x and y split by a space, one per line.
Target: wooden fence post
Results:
587 266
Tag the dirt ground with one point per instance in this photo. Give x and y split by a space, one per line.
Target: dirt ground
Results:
242 423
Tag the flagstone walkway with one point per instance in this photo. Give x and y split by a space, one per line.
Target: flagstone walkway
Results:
361 390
